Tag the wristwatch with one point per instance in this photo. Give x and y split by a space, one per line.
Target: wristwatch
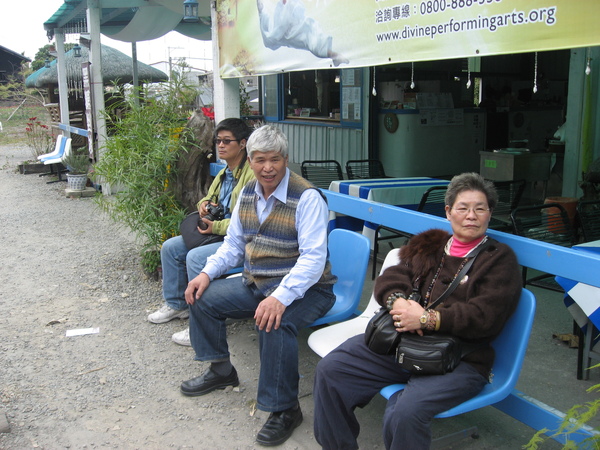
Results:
424 317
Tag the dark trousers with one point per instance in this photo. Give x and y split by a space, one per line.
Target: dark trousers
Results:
278 349
351 375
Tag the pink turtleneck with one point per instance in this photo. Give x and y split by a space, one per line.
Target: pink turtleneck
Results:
460 249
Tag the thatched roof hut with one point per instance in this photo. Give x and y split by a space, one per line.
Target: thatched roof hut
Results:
117 68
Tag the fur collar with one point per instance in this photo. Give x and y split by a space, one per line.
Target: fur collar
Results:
423 251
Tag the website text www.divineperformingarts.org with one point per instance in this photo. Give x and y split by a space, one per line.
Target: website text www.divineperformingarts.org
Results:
491 23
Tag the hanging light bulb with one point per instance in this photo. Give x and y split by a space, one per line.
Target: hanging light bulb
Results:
535 72
412 76
468 73
588 68
374 91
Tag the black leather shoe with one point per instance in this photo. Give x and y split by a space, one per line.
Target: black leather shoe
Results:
208 382
279 427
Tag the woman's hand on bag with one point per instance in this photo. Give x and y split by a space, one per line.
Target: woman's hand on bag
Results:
406 316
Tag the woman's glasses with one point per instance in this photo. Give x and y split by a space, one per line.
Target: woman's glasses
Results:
225 141
464 211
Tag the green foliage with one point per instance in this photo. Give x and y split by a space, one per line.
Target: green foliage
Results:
39 137
150 261
14 129
46 53
13 89
576 417
139 160
245 108
77 162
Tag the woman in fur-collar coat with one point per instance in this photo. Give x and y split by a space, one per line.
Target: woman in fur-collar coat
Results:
475 311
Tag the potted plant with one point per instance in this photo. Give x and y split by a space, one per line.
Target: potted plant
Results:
78 164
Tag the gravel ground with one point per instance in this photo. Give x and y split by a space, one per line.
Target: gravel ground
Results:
66 266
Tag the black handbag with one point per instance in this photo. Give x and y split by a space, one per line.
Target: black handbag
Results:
380 335
430 354
191 236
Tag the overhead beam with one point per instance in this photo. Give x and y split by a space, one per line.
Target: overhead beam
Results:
110 16
128 4
67 17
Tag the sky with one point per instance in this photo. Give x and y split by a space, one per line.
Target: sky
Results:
26 36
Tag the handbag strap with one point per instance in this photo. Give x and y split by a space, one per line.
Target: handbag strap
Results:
460 274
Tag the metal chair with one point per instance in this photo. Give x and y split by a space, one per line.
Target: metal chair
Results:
321 172
510 347
588 212
364 168
55 161
391 233
433 201
547 223
349 254
509 196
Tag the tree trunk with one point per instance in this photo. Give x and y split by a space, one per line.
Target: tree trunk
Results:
193 167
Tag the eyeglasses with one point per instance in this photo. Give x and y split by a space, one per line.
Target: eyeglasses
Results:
225 141
464 211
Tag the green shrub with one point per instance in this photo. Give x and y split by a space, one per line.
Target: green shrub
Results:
575 418
77 162
139 161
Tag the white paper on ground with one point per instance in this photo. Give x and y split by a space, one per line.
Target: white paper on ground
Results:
82 331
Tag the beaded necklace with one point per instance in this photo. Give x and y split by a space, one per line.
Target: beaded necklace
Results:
439 269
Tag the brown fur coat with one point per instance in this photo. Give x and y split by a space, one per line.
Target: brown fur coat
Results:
478 308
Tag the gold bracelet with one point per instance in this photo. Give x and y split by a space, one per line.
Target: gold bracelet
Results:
431 320
438 321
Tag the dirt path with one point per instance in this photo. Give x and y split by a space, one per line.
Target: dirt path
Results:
66 266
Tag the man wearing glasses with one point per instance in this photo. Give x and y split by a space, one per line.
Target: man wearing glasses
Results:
181 263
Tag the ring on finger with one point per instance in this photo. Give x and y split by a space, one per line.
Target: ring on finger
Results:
398 324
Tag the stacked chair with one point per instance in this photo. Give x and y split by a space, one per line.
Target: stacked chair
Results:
55 158
509 196
548 223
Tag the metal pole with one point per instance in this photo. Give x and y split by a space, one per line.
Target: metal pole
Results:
93 18
63 89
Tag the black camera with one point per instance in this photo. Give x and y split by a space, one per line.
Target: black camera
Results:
215 212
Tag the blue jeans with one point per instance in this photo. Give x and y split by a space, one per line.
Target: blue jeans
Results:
179 266
278 349
351 375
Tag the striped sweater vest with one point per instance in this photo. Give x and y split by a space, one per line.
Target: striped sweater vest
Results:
272 247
